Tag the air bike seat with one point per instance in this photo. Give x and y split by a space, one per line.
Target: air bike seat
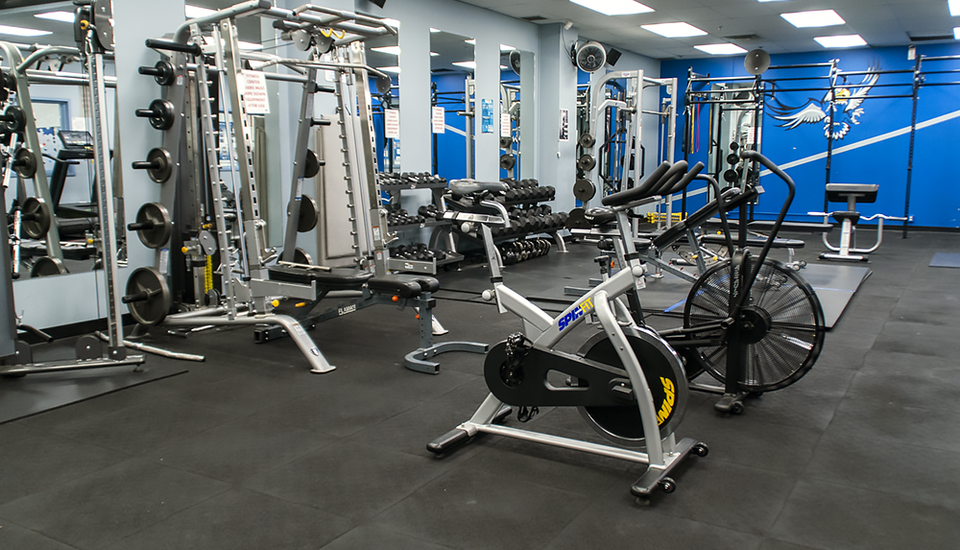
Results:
341 291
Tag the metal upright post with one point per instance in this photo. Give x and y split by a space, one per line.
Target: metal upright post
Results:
917 76
299 164
833 103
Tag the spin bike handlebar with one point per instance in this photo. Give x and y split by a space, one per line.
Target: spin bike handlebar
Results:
663 174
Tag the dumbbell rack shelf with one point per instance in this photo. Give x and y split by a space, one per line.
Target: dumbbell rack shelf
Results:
420 266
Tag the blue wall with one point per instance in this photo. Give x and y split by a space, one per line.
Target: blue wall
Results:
934 199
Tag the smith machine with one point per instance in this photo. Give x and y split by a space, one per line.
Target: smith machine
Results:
207 227
94 33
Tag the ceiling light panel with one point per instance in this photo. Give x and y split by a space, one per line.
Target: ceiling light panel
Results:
954 6
841 41
466 64
22 31
956 33
614 7
674 30
65 16
816 18
721 49
389 50
394 69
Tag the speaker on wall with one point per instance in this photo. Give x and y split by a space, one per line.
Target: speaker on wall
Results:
613 55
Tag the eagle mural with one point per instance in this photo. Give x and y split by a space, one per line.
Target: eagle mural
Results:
846 109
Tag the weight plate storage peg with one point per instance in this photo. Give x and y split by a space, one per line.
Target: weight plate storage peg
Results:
587 162
35 216
148 296
160 114
162 72
153 225
159 165
25 163
584 190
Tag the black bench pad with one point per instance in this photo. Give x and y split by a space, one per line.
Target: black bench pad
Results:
405 286
754 241
344 278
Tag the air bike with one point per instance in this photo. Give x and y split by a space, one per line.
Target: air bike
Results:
750 322
628 383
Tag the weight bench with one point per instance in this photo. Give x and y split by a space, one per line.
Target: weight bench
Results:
341 291
851 193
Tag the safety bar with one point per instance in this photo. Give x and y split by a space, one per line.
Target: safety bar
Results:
45 52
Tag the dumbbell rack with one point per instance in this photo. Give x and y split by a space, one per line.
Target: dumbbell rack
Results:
441 230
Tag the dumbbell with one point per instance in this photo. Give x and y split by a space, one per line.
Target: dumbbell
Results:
160 114
162 72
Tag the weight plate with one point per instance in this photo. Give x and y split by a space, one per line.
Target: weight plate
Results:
35 216
25 163
309 214
312 166
576 220
88 347
162 164
587 140
507 162
734 145
584 190
506 142
300 256
157 235
587 162
732 158
14 120
730 175
45 266
167 75
163 117
150 282
383 84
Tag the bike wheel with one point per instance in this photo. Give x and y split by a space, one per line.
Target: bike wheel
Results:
664 374
786 319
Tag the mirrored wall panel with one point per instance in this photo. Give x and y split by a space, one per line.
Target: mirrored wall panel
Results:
516 119
453 99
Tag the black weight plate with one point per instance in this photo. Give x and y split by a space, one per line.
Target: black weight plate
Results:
154 309
584 190
587 162
587 140
730 175
506 142
300 256
312 166
45 266
734 145
576 220
732 158
159 234
25 163
309 214
162 164
163 118
17 120
507 162
35 215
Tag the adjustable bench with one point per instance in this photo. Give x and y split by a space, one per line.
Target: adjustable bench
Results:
851 194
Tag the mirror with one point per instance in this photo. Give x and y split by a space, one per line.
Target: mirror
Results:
453 100
383 53
516 74
58 137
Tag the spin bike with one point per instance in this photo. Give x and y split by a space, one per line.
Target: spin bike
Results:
627 382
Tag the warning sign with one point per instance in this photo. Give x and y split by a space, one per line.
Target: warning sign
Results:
438 120
255 96
506 125
391 123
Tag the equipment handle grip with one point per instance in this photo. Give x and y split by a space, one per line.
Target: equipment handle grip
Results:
170 45
143 165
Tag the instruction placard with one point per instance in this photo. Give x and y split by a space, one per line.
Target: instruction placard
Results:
486 116
391 123
438 120
506 125
255 96
564 125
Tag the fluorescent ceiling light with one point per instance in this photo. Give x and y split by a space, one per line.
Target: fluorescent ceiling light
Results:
466 64
842 41
195 11
248 45
721 49
614 7
954 6
434 54
674 30
395 70
434 30
65 16
771 0
505 48
956 33
21 31
817 18
471 41
503 67
389 50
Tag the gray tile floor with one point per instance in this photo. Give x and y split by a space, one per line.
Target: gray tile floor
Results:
249 450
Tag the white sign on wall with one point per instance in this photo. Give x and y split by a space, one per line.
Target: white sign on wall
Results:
438 119
255 95
391 123
506 125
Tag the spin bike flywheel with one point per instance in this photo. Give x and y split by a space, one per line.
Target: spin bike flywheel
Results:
781 328
663 371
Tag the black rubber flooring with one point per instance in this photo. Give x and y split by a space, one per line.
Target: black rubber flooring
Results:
250 451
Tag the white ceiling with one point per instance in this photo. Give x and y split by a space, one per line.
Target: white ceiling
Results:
879 22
